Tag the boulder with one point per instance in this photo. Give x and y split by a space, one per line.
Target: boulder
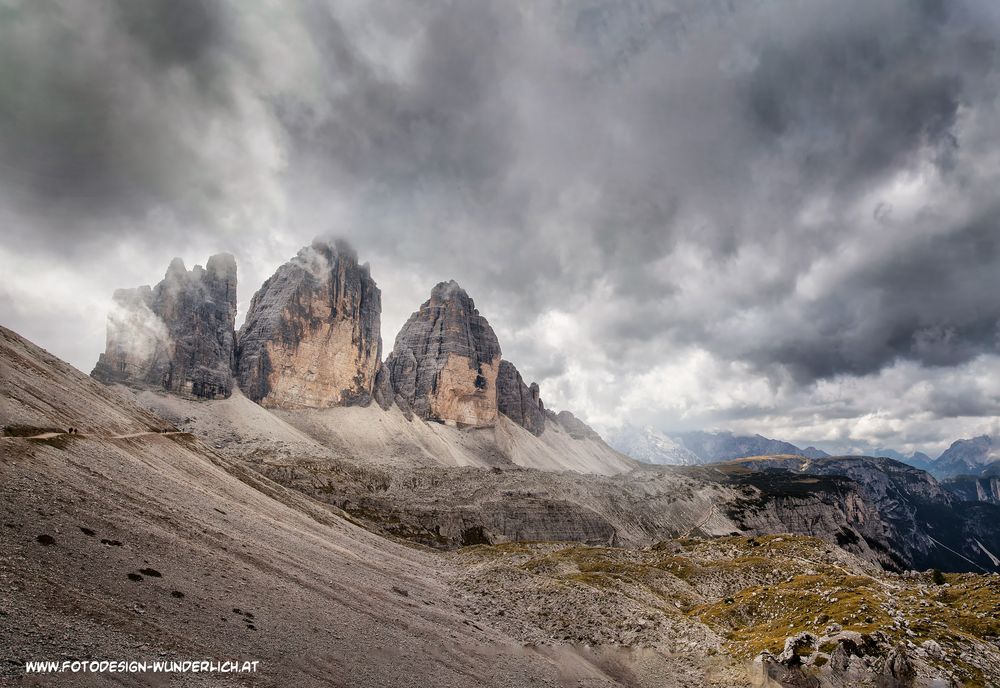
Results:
897 671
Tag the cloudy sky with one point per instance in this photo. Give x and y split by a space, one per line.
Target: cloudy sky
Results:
778 217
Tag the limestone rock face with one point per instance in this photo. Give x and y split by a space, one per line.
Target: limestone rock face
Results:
445 361
312 335
576 428
518 401
382 389
177 336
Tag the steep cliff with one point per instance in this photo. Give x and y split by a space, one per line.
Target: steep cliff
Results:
312 334
518 401
969 488
177 336
900 513
445 361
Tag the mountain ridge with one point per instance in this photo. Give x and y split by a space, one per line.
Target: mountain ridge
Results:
973 457
312 339
698 447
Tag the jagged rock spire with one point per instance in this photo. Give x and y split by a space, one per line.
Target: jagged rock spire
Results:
518 401
445 361
312 335
177 336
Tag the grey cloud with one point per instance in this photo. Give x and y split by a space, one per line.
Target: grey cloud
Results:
174 32
90 121
668 175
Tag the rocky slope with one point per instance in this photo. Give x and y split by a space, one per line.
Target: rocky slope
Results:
386 439
447 486
445 361
877 506
177 336
798 611
972 489
312 335
126 543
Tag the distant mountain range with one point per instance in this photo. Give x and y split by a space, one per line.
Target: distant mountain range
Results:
693 448
978 456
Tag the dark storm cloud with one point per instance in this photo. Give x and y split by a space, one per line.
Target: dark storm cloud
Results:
173 32
806 189
441 139
835 103
92 112
859 100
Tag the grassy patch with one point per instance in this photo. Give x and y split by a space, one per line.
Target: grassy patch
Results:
761 617
757 591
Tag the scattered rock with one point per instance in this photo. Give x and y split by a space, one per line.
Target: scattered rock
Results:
796 647
898 671
933 649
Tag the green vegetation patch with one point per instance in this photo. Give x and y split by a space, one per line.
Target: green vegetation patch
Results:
758 591
761 617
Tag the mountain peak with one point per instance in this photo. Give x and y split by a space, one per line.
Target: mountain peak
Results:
445 360
177 336
312 337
